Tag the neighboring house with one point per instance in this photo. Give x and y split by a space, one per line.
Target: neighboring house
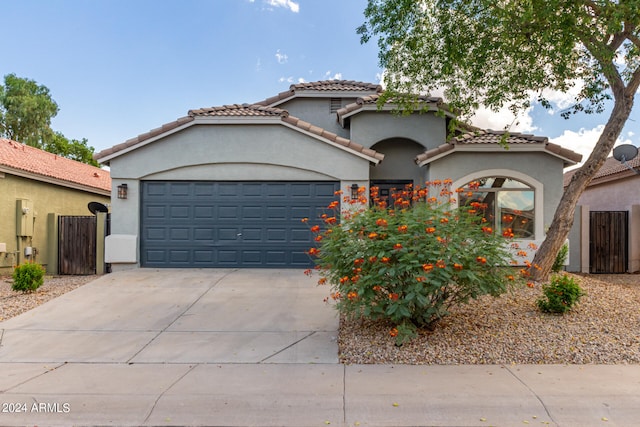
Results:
227 186
606 228
34 185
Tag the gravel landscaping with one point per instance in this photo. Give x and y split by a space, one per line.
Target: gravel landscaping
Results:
603 328
13 303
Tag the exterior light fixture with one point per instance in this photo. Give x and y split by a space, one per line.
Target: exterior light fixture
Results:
122 191
354 191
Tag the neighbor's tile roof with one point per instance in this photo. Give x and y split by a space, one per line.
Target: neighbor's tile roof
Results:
484 137
363 101
38 162
323 86
245 110
609 168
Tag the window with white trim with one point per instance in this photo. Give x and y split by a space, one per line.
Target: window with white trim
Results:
507 205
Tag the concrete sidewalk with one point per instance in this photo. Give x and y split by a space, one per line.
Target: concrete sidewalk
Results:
258 348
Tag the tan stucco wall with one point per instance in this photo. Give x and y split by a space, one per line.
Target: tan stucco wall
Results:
45 198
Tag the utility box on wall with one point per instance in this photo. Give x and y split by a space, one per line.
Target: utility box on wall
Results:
24 218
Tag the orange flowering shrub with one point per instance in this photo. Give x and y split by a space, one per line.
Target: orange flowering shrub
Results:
411 261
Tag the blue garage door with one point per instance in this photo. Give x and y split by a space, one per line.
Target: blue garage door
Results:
230 224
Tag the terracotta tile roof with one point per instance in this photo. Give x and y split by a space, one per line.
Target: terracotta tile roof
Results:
242 111
610 168
323 86
490 137
14 155
372 101
238 110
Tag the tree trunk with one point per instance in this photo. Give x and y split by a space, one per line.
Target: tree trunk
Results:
563 218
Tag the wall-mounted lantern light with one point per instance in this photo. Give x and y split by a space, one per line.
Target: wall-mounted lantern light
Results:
122 191
354 191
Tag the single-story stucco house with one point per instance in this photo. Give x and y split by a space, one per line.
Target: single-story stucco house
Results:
227 186
606 230
35 188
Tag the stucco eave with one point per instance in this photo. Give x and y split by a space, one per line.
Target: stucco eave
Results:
494 148
53 181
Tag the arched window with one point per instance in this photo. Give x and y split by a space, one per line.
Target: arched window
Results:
507 205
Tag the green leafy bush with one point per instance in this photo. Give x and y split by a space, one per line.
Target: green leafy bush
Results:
561 258
410 263
560 295
28 277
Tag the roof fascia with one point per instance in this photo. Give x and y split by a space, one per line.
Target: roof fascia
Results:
496 148
109 157
52 180
342 119
323 94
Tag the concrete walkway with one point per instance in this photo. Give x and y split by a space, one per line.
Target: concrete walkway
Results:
258 348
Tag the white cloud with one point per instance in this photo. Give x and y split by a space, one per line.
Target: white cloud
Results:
486 118
291 80
281 57
291 5
583 140
259 65
336 76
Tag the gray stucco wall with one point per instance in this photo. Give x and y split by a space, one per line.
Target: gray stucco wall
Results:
318 112
370 127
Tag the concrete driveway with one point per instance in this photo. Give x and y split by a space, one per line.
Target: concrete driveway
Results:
258 348
180 316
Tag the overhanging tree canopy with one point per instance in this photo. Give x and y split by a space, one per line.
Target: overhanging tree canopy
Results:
496 53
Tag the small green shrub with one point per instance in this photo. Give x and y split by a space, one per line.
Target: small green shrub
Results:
560 295
561 258
28 277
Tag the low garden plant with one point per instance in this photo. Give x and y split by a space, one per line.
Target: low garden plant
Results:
560 295
410 262
28 277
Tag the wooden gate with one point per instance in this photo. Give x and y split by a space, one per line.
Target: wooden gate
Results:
77 245
608 242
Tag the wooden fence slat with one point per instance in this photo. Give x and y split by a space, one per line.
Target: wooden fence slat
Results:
77 245
608 241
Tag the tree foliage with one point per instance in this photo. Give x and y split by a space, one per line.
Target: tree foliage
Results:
496 53
26 110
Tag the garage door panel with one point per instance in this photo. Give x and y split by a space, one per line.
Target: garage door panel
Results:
230 224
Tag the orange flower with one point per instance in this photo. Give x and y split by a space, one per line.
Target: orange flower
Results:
352 295
385 259
331 220
457 266
487 230
532 246
444 220
402 228
427 267
531 284
315 228
304 220
373 259
336 295
440 264
377 288
381 222
314 251
510 277
307 272
337 193
522 253
394 296
421 279
430 230
459 190
333 205
318 238
322 281
481 260
344 279
397 246
393 332
373 235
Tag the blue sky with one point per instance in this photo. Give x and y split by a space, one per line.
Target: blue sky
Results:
119 68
